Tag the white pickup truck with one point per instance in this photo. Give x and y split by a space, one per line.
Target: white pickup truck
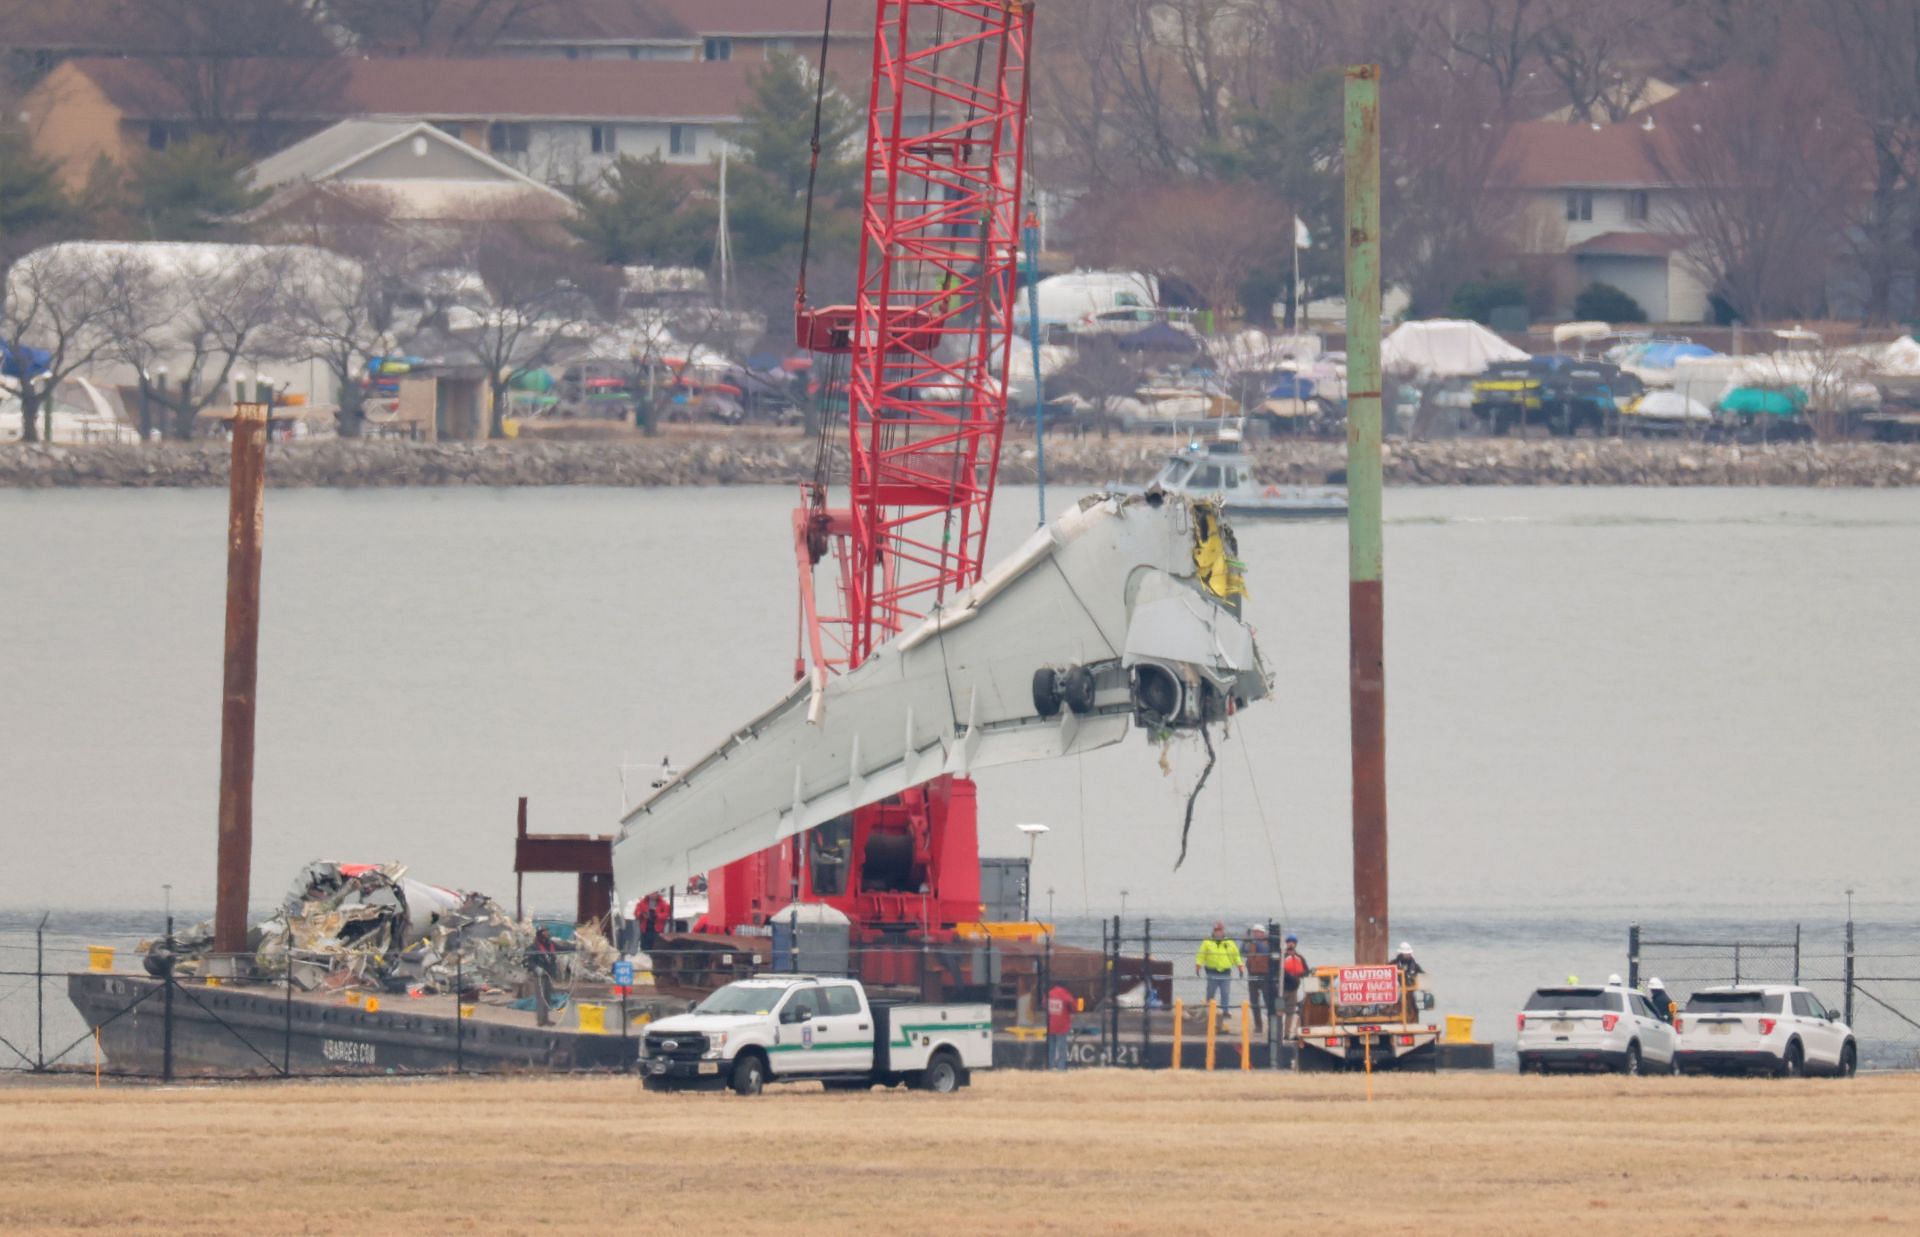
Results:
812 1028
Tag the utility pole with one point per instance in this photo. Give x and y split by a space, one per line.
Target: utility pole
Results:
246 513
1367 663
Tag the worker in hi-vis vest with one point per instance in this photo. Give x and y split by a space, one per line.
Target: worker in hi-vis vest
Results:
1218 959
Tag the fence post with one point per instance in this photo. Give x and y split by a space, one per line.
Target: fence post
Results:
1633 956
1046 992
1736 962
40 985
1796 953
286 1039
459 1016
1146 995
166 1010
1106 978
1849 969
1113 1006
1276 990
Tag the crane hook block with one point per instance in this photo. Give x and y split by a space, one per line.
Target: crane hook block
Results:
828 329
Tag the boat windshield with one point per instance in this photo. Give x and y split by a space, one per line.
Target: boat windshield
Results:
1174 475
742 999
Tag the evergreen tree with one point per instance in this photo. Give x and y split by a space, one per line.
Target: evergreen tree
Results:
185 191
641 213
30 195
776 129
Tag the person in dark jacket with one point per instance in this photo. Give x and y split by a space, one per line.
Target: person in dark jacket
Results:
1294 967
1257 951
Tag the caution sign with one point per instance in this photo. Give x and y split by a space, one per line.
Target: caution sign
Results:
1367 985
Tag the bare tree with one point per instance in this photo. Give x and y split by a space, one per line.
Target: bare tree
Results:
1769 169
1879 42
1439 167
240 71
517 305
343 311
1209 235
403 27
57 301
183 325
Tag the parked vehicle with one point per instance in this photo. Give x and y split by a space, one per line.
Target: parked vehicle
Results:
1609 1027
1772 1028
799 1028
1565 394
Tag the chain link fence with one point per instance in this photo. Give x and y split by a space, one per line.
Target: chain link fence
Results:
1877 992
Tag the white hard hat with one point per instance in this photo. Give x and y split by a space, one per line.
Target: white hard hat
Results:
1405 948
1655 982
1614 980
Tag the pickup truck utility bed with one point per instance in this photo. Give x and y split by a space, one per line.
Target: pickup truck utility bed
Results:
797 1028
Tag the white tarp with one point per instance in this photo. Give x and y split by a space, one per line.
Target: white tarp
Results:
1670 406
1443 348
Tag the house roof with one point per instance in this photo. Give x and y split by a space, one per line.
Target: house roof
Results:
1549 154
1629 245
631 21
433 88
335 150
768 18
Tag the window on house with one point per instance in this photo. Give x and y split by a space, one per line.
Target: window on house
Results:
604 140
680 140
719 49
505 139
161 135
573 53
1580 206
1639 206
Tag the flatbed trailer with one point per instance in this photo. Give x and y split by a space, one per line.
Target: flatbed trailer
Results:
1366 1017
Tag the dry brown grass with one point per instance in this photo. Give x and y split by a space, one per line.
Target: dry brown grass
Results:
1087 1152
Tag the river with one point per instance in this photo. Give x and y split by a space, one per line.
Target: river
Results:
1604 705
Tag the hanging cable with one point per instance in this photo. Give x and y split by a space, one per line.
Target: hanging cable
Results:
1194 797
813 161
1266 833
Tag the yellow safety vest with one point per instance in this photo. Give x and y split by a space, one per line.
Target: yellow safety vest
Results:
1222 955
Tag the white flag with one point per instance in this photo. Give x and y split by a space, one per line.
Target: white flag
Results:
1302 239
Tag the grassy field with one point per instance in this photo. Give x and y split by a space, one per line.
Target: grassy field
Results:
1087 1152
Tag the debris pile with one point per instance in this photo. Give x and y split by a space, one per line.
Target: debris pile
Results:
372 925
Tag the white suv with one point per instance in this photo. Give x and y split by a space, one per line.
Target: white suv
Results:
1608 1027
1770 1028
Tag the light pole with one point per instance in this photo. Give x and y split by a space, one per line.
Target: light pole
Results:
1123 904
1033 832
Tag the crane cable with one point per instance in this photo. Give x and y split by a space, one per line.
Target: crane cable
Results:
813 161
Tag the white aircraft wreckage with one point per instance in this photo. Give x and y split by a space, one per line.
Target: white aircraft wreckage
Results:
1122 612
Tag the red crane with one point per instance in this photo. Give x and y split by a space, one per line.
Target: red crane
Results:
918 355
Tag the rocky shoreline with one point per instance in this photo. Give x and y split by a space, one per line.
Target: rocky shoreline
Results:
748 459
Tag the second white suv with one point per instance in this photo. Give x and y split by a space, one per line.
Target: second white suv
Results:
1766 1028
1608 1027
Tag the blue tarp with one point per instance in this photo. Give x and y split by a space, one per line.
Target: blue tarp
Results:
1292 386
1160 337
21 361
1661 354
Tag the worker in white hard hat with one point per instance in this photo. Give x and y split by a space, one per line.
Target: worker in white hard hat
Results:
1614 981
1662 1001
1409 969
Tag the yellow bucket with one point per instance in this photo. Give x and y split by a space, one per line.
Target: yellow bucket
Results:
1459 1029
466 1011
593 1019
373 1005
99 957
353 997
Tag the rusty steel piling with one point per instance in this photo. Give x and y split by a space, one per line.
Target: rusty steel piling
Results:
246 514
1367 662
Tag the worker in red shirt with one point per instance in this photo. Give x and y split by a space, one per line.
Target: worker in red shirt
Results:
1060 1006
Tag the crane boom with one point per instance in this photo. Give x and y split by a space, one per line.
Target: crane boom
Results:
931 325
